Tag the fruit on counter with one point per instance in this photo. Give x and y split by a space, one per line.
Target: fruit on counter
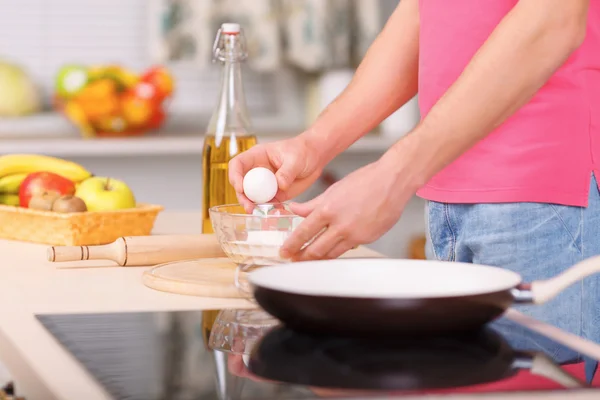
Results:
53 184
105 194
69 204
38 183
10 184
9 199
43 201
77 115
98 99
52 201
71 79
19 95
146 91
26 175
28 163
112 123
123 77
157 119
112 95
161 80
136 110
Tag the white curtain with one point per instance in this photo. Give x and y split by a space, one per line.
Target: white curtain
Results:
311 35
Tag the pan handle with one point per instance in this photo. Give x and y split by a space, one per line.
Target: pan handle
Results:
544 290
541 365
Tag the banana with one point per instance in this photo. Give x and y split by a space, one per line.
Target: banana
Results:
10 184
27 163
9 199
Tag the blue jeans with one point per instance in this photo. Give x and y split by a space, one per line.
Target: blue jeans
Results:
538 241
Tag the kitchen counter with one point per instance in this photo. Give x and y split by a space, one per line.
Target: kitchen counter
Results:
42 369
31 285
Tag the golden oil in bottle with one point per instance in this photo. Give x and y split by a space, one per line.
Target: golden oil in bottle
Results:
229 132
215 173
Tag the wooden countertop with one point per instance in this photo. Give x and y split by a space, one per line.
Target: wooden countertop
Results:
31 285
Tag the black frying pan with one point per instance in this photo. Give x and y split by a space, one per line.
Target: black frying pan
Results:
426 363
395 296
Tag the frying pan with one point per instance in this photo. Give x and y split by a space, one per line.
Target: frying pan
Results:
378 296
424 363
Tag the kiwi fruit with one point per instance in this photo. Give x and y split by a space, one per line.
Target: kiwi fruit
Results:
43 201
69 204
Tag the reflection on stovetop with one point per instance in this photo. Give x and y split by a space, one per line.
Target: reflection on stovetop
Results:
411 364
246 354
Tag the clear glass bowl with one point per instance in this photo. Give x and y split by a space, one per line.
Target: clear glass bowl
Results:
253 238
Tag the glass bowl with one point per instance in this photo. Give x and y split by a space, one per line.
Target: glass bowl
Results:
253 238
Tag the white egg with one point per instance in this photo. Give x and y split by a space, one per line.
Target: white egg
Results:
260 185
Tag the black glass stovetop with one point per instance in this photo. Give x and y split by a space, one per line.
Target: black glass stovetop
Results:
245 354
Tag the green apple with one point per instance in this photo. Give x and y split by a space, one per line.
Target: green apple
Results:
70 80
105 194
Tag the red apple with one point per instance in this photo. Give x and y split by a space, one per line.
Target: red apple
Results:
146 91
157 119
161 79
37 183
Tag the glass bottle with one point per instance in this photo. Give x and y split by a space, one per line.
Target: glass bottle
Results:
229 130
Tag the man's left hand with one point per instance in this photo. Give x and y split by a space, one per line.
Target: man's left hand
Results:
356 210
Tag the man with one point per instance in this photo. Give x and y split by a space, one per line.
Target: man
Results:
505 154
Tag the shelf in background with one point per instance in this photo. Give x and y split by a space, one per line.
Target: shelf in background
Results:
50 133
149 145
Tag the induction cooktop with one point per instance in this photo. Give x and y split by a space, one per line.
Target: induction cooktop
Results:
246 354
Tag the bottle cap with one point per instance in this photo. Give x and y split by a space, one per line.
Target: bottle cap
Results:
230 28
233 49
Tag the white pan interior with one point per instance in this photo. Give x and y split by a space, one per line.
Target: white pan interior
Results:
384 278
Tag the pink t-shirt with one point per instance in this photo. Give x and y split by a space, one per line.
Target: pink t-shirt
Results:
547 151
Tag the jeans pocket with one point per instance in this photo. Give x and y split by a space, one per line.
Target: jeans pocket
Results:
439 239
571 219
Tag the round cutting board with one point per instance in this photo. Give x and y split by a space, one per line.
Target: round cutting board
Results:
206 277
209 277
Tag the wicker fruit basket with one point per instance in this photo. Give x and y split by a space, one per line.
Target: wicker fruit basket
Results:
76 229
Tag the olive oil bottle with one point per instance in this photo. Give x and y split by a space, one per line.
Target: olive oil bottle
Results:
229 131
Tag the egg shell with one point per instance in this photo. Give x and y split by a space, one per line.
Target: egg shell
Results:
260 185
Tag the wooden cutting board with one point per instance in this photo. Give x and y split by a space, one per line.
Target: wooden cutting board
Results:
206 277
209 277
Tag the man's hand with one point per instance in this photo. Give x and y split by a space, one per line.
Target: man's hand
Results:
356 210
295 163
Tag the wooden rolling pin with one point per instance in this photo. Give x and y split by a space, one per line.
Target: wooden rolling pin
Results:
142 250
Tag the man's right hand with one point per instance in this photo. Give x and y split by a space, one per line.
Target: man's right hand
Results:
295 162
